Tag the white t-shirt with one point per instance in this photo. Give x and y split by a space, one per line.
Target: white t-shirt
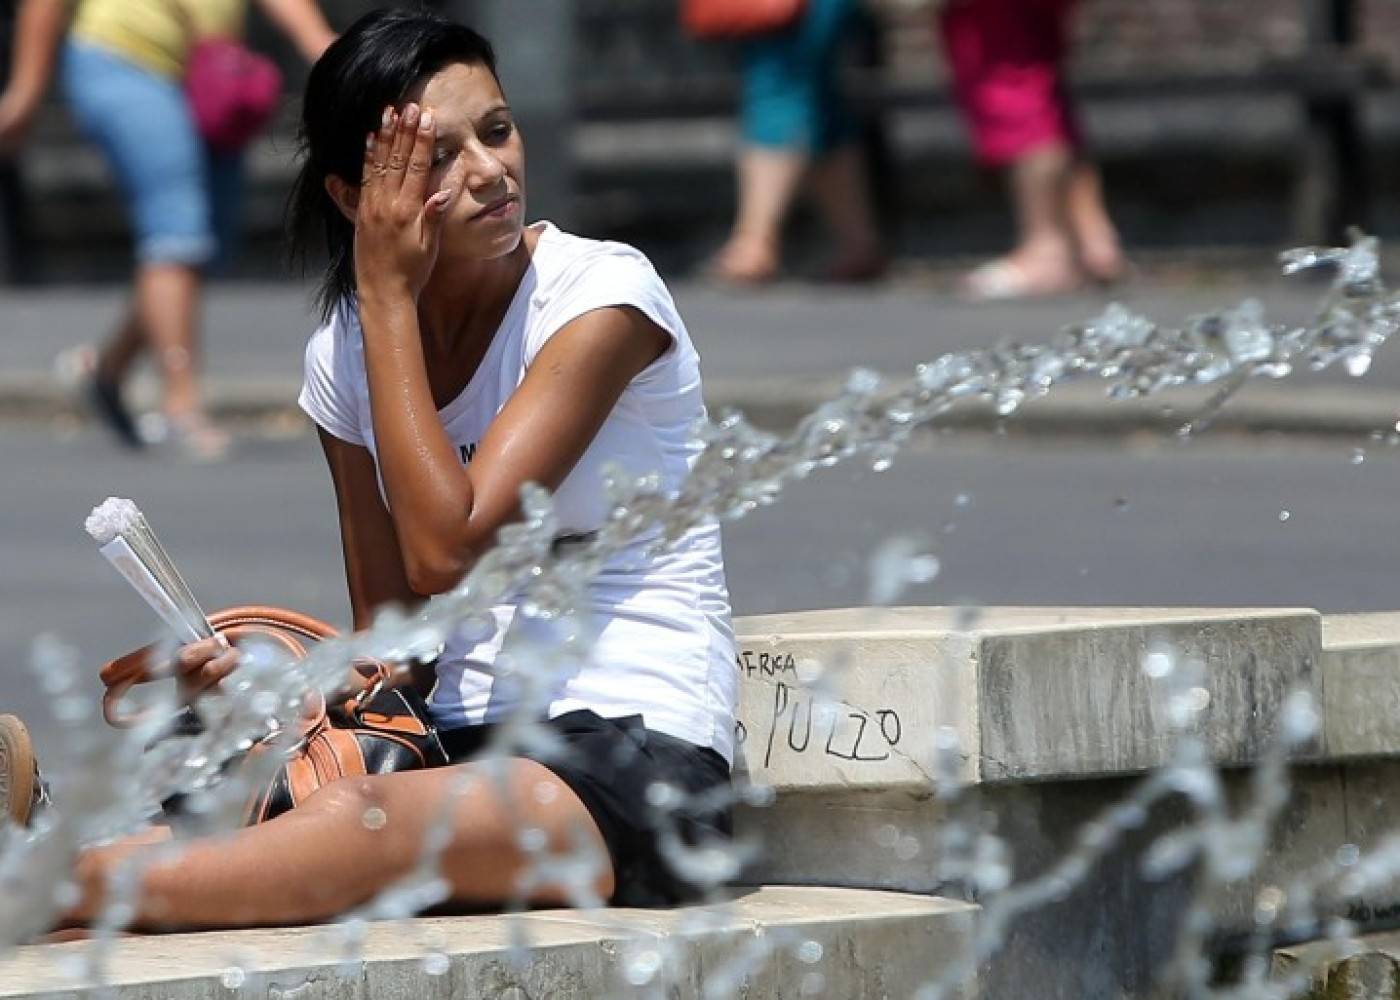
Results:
665 645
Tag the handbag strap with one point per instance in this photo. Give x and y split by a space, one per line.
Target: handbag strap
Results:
139 666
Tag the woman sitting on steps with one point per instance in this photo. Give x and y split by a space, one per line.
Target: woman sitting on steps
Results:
464 354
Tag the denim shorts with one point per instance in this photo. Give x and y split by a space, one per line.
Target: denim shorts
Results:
791 94
182 199
613 766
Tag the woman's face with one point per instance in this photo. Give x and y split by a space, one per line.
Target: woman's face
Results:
476 140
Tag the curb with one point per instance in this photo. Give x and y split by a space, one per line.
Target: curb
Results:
778 404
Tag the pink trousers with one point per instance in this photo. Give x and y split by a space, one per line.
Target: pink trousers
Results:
1006 59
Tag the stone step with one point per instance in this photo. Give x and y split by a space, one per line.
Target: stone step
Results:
1054 721
764 942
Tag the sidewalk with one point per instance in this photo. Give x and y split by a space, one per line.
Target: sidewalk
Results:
775 354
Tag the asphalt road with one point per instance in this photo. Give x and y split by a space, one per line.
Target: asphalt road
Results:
1149 522
259 331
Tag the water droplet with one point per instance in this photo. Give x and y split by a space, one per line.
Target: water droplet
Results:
1284 515
760 796
663 795
374 818
67 895
73 967
1159 662
643 967
1348 855
887 835
532 839
435 963
233 978
545 792
809 952
963 500
1299 720
907 849
1267 904
1358 455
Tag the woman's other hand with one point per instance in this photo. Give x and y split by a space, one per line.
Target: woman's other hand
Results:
398 223
201 665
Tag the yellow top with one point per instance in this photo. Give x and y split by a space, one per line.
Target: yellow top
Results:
155 34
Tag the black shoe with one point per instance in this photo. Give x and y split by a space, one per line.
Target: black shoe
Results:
106 400
22 789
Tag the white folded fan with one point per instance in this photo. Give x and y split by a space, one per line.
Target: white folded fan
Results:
129 544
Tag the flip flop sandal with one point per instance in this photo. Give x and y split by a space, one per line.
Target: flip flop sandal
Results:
1003 280
20 787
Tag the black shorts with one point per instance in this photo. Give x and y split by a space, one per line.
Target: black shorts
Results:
610 764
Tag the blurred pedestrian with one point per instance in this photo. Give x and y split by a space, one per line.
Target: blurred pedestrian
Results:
1006 58
796 127
122 68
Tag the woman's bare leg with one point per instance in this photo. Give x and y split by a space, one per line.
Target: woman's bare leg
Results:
768 183
841 189
167 308
116 356
354 838
1100 251
1043 261
1038 184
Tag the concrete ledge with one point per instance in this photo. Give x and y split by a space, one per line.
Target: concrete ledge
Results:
800 942
1056 720
1361 668
854 698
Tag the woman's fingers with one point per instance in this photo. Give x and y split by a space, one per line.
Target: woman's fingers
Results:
405 135
216 670
201 665
420 160
191 658
378 148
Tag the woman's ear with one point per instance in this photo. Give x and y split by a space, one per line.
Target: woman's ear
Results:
346 196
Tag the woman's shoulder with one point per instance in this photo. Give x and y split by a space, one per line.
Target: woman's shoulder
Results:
336 340
562 257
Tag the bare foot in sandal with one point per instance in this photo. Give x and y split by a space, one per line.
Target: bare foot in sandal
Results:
744 260
1016 277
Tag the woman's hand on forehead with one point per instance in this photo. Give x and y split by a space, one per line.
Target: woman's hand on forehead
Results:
398 222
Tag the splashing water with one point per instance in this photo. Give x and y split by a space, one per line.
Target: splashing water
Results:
111 792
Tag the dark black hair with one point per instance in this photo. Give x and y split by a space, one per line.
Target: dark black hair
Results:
374 64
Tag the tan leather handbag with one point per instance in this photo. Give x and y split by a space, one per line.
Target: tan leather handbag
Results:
379 730
738 18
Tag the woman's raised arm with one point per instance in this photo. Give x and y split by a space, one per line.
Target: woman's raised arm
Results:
39 27
303 23
445 516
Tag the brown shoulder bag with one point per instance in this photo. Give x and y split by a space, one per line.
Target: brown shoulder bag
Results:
379 730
